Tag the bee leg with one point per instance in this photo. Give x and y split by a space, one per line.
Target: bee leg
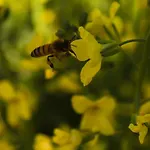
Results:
74 37
49 61
67 54
71 51
59 56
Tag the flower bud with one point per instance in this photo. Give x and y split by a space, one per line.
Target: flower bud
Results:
110 49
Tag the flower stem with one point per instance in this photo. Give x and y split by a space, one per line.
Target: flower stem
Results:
142 71
108 32
116 31
132 40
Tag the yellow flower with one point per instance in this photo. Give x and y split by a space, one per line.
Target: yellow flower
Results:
19 103
145 108
18 108
6 90
48 16
43 1
67 140
97 115
42 142
95 144
32 65
98 20
4 145
70 80
49 73
140 126
87 48
1 3
146 90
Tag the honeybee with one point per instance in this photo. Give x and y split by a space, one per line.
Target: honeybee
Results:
59 48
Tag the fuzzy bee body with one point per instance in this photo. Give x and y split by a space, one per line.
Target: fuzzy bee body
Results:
57 49
41 51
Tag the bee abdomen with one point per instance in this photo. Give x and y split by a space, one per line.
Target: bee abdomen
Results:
41 51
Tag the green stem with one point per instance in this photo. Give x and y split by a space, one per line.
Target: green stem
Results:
132 40
142 70
116 31
108 32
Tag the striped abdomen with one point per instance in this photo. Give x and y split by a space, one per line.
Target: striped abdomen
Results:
42 51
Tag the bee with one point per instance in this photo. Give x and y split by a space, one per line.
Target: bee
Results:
59 48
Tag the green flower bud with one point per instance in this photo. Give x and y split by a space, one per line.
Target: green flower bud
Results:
110 49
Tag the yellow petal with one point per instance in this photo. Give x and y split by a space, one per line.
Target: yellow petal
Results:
49 73
87 47
94 121
88 37
75 137
83 33
143 133
113 9
4 145
95 27
48 16
80 48
90 120
119 23
6 90
134 128
145 108
61 137
12 114
94 53
105 126
1 3
42 142
144 119
88 72
94 14
24 110
107 104
81 103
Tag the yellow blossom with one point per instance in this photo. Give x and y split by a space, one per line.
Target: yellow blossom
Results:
49 73
34 42
19 103
146 90
48 16
1 3
89 49
4 145
6 90
18 108
128 34
96 115
95 145
42 19
32 65
145 108
18 8
140 126
43 1
97 20
70 80
67 139
42 142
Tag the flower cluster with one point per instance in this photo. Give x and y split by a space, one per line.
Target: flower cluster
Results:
87 49
17 101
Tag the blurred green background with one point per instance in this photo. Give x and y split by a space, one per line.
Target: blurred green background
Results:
33 99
